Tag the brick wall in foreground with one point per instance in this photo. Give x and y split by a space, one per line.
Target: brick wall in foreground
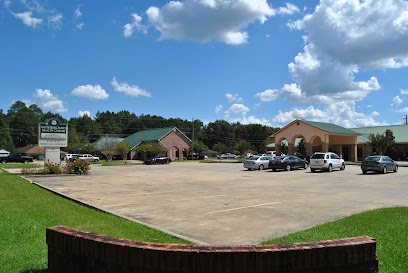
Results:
72 250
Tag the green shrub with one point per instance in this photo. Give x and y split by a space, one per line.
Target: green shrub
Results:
78 166
50 168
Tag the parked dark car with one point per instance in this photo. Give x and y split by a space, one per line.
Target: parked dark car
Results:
287 163
379 163
157 160
300 155
15 158
73 158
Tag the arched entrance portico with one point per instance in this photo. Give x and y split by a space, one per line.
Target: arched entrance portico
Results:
319 137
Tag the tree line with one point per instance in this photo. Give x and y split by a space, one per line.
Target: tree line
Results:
19 127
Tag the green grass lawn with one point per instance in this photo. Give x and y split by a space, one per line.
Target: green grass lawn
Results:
388 226
27 210
19 165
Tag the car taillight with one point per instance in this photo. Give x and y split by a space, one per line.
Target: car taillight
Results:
279 162
377 163
325 161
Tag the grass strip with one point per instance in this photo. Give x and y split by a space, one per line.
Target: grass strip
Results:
19 165
27 210
389 226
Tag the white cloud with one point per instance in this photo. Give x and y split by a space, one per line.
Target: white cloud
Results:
206 20
218 108
89 91
129 90
135 25
237 108
52 16
77 12
55 21
404 92
49 102
403 110
341 113
288 10
83 113
28 19
252 120
396 102
80 25
234 98
342 38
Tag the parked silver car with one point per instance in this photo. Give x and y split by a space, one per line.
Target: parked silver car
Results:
257 162
379 163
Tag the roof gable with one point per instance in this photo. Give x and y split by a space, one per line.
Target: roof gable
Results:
326 127
330 128
150 135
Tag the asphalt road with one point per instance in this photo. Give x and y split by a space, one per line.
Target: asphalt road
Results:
226 204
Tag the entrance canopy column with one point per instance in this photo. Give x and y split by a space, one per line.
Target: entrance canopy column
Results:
325 147
291 149
309 150
278 149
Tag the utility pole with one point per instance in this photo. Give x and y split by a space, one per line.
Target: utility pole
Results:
406 119
192 141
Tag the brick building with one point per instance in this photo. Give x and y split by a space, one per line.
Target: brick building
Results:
171 138
349 144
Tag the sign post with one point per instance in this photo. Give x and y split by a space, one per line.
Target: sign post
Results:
52 134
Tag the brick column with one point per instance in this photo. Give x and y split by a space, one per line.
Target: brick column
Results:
278 149
325 147
353 152
291 149
309 150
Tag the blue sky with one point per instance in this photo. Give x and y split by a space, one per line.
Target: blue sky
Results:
252 61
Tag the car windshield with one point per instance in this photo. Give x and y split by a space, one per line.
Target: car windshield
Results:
375 158
280 157
317 156
254 158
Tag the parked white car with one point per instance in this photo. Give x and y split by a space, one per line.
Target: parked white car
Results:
88 157
326 161
68 157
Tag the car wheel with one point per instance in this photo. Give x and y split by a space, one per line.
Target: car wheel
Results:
3 162
274 170
312 170
396 169
305 167
96 160
249 169
261 167
385 170
343 166
364 172
25 161
288 168
167 162
330 169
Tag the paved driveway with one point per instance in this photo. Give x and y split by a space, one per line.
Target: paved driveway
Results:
226 204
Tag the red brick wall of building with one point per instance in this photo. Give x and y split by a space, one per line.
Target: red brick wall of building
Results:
175 141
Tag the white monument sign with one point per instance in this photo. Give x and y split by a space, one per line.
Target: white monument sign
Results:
52 134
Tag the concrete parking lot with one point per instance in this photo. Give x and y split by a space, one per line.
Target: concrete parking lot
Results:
226 204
